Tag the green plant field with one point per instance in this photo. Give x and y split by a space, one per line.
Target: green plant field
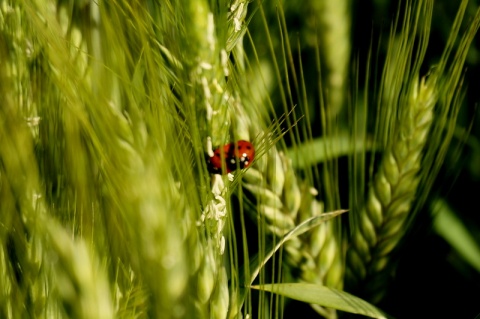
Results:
239 159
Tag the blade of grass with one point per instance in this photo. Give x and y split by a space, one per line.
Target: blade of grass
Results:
319 150
324 296
450 227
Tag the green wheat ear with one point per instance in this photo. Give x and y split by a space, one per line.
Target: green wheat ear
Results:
391 194
32 284
332 20
416 128
217 29
110 138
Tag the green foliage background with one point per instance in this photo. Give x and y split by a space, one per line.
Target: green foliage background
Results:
110 109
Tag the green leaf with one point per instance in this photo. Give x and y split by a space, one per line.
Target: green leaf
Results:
324 296
451 228
320 150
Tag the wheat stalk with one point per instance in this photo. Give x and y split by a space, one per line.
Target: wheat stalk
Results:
75 277
415 148
332 20
211 70
393 190
113 173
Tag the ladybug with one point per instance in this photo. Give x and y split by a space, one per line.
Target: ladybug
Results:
239 154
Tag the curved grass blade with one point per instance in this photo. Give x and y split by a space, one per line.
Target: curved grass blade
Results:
320 150
324 296
451 228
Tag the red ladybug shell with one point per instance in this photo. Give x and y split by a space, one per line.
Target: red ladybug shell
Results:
242 152
215 162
